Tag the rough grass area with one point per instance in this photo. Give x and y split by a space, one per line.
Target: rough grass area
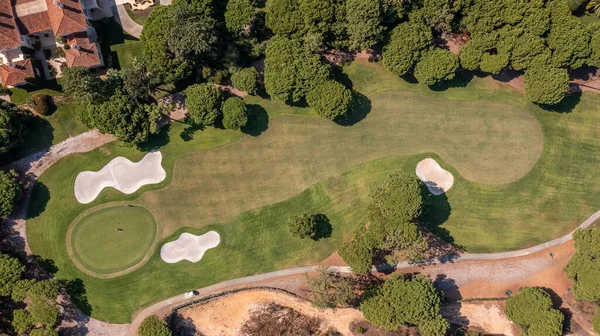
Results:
518 181
113 239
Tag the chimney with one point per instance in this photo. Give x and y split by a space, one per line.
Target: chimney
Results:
58 3
75 46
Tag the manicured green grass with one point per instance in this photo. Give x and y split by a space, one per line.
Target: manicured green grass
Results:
114 238
523 176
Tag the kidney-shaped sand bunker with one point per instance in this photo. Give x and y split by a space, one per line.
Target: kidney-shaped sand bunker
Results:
189 247
121 174
437 179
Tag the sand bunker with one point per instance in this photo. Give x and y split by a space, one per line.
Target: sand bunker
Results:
189 247
437 179
121 174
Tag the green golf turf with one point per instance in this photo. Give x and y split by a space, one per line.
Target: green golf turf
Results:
523 175
113 239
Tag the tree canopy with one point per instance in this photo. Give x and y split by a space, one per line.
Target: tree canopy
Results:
13 125
546 85
239 14
436 65
303 225
401 301
153 326
203 102
11 270
330 99
235 113
397 199
532 310
407 41
246 80
364 23
10 192
329 289
584 266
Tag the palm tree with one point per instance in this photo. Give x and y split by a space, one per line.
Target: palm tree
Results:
594 7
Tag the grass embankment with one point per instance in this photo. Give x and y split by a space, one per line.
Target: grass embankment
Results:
114 238
232 183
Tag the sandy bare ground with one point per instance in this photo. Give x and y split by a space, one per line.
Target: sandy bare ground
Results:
189 247
226 315
489 317
122 174
437 179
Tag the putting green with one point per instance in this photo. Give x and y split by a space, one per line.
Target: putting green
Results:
112 239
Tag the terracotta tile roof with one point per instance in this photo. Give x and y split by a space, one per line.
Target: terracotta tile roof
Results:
34 23
9 35
82 52
16 74
66 17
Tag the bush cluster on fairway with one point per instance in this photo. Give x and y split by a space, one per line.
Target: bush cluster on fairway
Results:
203 102
329 99
303 225
235 113
246 80
532 310
584 268
396 203
394 305
10 192
153 326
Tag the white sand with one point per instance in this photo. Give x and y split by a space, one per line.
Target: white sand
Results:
437 179
189 247
121 174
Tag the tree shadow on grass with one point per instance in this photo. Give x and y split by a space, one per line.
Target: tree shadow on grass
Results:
360 108
156 141
462 79
324 227
566 105
40 195
77 292
436 211
188 133
258 120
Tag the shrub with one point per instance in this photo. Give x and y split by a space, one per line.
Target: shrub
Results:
436 65
10 192
584 267
546 85
246 80
153 326
532 310
40 103
358 254
303 225
330 99
203 102
359 330
235 114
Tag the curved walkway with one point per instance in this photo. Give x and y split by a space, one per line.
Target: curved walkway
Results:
129 26
139 318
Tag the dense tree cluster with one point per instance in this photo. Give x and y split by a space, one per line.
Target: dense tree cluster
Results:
401 301
395 206
154 326
329 289
13 124
10 192
42 312
532 310
584 267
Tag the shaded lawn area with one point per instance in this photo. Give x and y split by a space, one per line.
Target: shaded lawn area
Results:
511 189
122 47
138 16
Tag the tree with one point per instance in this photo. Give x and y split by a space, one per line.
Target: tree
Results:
13 126
10 192
137 82
239 14
193 36
364 23
129 122
406 43
79 82
596 321
290 71
594 59
203 102
584 267
329 289
529 49
44 312
439 14
153 326
330 99
594 7
303 225
532 310
546 85
568 37
284 17
358 254
494 63
11 270
246 80
436 65
235 113
403 301
397 199
21 321
43 332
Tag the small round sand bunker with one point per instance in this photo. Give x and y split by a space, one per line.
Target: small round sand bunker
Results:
122 174
189 247
437 179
